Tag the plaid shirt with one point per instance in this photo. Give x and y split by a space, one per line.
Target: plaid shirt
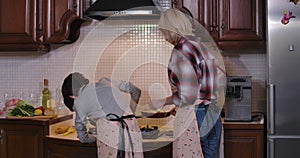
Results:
192 72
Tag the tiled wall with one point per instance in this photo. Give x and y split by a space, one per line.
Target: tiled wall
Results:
120 49
249 63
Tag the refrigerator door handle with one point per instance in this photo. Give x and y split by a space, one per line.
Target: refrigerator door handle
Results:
270 148
271 105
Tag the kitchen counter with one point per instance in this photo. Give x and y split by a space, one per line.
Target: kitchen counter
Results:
257 123
26 136
257 118
58 144
164 136
50 145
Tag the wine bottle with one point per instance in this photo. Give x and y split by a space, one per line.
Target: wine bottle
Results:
46 95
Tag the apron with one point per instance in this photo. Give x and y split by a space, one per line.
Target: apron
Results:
109 138
186 141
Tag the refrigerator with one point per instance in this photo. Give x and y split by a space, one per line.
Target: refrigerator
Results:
283 78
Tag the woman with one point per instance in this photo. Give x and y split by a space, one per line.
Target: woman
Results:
196 86
118 134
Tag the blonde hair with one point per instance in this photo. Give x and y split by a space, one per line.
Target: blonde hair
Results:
175 21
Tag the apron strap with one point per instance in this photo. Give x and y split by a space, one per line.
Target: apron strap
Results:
123 124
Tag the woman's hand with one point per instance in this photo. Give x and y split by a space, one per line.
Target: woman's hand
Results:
173 111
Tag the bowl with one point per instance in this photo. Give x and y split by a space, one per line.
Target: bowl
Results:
149 132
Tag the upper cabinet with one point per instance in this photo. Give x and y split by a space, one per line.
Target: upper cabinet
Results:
62 20
19 23
240 23
191 7
32 25
200 10
233 24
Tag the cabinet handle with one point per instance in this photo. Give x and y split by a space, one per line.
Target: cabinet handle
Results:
175 2
211 28
39 32
1 136
223 25
74 5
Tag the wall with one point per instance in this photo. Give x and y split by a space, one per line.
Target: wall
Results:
249 63
121 49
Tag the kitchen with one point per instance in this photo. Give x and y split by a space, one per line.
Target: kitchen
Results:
25 71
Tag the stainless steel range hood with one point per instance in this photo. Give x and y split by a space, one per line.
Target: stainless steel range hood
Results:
101 9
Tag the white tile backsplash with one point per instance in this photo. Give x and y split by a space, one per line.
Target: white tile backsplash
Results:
249 63
120 49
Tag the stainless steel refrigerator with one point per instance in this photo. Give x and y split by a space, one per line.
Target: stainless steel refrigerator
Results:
283 58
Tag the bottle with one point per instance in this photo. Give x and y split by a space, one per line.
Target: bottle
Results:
46 95
59 101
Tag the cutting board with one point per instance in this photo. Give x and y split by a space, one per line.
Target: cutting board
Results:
32 117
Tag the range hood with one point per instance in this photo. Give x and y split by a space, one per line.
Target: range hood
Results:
101 9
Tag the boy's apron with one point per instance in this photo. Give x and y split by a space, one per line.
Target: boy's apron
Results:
109 138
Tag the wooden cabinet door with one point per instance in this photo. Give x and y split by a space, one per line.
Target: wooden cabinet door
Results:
59 16
243 143
233 24
21 141
27 25
164 151
60 148
240 21
202 13
19 23
191 7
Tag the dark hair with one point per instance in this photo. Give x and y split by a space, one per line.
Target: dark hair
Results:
71 86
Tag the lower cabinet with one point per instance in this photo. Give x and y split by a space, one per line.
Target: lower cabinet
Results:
164 151
28 139
244 140
62 148
21 141
241 140
23 138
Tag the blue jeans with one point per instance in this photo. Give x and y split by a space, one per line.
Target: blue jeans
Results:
211 140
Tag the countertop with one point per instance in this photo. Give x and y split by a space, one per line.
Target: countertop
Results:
256 119
24 120
164 137
165 132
